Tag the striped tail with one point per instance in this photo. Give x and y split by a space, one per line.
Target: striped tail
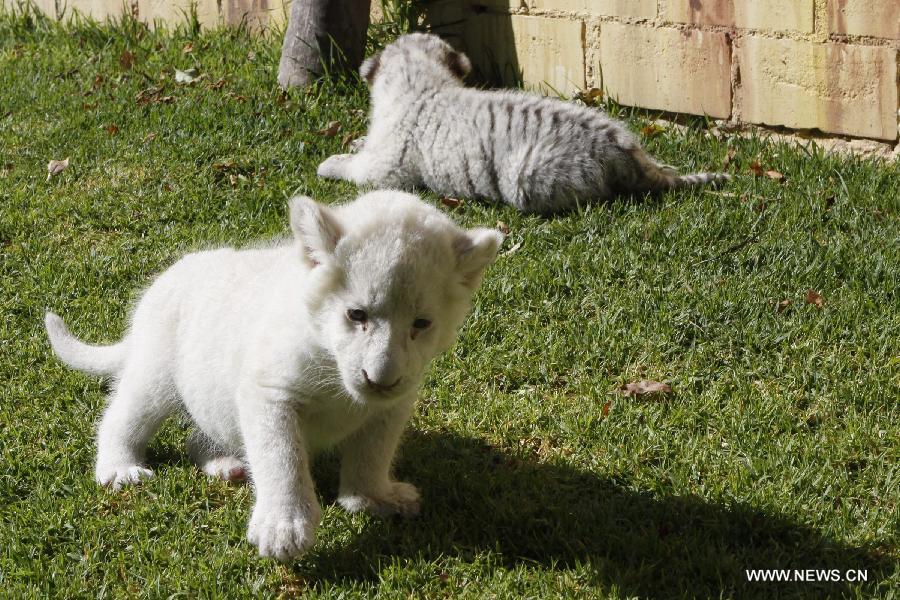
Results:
658 177
94 360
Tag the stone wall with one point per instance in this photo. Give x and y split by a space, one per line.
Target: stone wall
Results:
257 14
830 65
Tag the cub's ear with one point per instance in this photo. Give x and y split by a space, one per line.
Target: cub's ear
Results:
369 68
458 63
315 227
475 250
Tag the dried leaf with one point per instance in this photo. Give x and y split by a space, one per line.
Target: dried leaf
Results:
782 306
225 165
186 76
251 56
188 48
330 130
235 97
347 139
112 129
513 248
814 297
55 167
605 410
451 202
644 387
775 175
218 85
651 130
150 137
126 60
756 168
503 227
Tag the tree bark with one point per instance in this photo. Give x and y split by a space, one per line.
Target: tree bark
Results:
322 34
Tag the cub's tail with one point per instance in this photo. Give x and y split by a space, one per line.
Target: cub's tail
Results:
663 177
95 360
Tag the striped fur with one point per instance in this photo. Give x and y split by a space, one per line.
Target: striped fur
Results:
538 154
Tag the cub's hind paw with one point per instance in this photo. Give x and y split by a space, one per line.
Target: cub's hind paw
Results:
399 499
334 167
226 468
121 475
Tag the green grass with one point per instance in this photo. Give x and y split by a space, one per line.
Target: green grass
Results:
778 448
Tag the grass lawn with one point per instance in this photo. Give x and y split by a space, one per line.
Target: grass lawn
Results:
779 447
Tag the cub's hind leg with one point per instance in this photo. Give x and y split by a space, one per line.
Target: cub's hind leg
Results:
139 403
213 460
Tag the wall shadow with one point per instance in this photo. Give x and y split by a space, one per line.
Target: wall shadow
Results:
476 499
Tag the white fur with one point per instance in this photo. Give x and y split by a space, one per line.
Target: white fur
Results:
258 347
537 154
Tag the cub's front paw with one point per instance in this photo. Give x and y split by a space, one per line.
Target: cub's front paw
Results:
334 167
400 498
282 533
117 476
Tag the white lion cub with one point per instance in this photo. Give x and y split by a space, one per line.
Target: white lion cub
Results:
280 352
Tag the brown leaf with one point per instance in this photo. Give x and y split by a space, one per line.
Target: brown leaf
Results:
188 48
644 387
756 168
150 137
218 85
503 227
651 130
814 297
112 129
54 167
235 97
330 130
348 137
451 202
605 409
782 306
775 175
225 165
126 60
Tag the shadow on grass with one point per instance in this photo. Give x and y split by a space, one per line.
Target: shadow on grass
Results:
476 500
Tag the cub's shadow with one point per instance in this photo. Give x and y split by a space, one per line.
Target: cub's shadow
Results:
476 499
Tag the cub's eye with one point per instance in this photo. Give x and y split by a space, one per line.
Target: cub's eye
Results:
357 314
421 324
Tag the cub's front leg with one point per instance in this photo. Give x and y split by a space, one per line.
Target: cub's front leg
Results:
366 481
286 512
349 167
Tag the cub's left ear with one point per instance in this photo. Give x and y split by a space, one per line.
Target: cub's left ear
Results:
370 67
316 228
459 64
475 250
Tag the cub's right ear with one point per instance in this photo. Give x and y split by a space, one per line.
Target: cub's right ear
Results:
370 67
475 250
315 227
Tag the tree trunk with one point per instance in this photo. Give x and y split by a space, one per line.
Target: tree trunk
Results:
322 34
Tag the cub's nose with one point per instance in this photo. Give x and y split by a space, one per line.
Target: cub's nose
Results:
380 386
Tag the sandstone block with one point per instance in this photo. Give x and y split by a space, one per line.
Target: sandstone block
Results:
666 69
545 53
878 18
778 15
638 9
173 12
838 88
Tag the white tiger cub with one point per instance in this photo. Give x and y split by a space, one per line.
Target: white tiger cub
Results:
538 154
280 352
